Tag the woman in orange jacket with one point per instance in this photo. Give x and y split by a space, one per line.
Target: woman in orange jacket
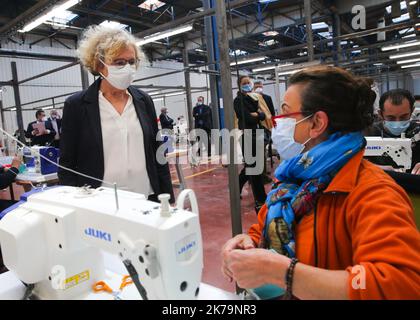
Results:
335 226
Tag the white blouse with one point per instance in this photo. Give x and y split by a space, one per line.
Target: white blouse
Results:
124 156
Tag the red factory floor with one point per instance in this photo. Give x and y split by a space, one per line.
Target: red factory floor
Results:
210 183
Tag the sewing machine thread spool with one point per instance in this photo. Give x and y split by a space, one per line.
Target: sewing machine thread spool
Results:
164 201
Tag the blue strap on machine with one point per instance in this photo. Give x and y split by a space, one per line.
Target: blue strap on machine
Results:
23 199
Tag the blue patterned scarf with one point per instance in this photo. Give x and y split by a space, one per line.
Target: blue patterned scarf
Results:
302 180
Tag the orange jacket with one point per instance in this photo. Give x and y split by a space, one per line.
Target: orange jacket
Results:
362 219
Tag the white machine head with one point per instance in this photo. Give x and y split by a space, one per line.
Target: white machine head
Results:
65 228
398 149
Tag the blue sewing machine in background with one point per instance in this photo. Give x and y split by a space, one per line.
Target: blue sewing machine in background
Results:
34 161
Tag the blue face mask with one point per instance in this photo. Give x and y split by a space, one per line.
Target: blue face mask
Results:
247 87
397 127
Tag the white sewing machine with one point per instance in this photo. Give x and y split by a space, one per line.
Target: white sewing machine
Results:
63 230
398 149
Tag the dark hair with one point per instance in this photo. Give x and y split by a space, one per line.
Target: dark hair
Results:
397 96
416 97
240 80
38 112
346 99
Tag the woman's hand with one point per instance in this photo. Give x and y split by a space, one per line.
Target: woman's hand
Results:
241 241
254 114
256 267
416 169
16 162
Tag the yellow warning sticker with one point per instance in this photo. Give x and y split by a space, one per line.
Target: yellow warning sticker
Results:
77 279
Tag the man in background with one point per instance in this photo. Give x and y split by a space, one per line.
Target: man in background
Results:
259 88
165 121
40 131
56 124
203 120
395 111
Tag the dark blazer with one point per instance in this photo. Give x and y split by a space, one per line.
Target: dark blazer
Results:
81 145
203 117
243 112
58 124
269 103
43 139
166 122
7 177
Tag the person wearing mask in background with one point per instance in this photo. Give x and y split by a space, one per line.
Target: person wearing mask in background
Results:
259 88
416 113
7 177
109 131
249 116
40 132
55 121
395 110
203 120
335 226
165 121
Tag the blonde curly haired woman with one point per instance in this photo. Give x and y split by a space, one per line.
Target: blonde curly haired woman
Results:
109 130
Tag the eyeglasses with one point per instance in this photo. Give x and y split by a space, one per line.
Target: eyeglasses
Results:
121 63
285 115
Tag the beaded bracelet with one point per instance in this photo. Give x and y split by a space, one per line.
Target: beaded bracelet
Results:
289 278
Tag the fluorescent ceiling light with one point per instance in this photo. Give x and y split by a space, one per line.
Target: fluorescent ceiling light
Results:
408 61
113 24
406 30
248 61
158 99
410 65
405 16
200 50
13 109
405 55
65 15
263 69
48 108
399 46
175 94
271 33
165 34
408 36
357 51
378 64
61 25
151 5
285 73
55 11
412 3
325 34
271 67
319 25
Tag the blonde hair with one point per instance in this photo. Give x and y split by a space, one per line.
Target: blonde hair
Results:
104 42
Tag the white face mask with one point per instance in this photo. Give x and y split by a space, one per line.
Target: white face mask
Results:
120 78
259 90
283 136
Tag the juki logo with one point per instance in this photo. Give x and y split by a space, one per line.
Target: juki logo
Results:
373 148
187 247
98 234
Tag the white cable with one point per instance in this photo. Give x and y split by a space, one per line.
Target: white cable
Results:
59 166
